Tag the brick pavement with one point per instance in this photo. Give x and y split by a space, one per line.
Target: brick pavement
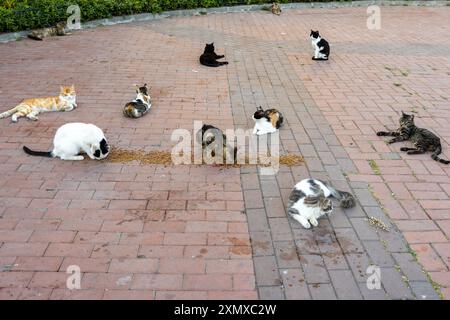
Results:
152 232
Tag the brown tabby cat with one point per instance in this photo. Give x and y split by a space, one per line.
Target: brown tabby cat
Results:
423 139
275 8
40 34
30 108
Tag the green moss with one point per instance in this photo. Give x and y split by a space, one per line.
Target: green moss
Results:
374 167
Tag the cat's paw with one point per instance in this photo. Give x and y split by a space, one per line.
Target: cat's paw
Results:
404 149
306 225
314 222
390 141
381 134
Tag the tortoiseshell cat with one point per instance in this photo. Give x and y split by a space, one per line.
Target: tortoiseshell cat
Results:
139 106
267 121
424 140
30 108
209 57
40 34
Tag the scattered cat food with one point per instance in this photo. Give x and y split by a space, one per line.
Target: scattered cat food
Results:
152 157
375 222
291 160
118 155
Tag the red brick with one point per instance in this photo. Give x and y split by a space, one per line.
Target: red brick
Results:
115 251
206 226
424 236
229 266
86 264
428 257
23 249
133 265
52 236
165 226
207 282
181 266
185 239
69 250
157 281
66 294
129 295
181 295
37 263
232 295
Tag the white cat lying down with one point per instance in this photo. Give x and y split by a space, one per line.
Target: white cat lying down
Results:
72 139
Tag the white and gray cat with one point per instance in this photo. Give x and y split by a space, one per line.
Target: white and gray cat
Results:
310 200
73 139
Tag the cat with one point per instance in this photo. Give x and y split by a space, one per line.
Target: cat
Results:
30 108
276 8
139 106
320 45
267 121
40 34
310 200
213 138
209 57
423 140
72 139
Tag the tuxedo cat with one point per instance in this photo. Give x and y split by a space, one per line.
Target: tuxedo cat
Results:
267 121
209 57
139 106
310 200
423 139
72 139
320 45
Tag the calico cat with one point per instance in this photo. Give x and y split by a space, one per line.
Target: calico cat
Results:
40 34
320 45
276 8
213 138
424 140
30 108
209 57
139 106
72 139
267 121
310 200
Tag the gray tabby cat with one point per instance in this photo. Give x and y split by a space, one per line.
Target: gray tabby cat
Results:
310 200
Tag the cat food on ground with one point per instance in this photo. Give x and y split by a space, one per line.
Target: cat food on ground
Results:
152 157
378 223
165 158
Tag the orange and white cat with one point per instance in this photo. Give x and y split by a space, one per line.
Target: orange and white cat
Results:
30 108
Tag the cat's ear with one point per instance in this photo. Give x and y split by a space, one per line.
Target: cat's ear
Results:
403 114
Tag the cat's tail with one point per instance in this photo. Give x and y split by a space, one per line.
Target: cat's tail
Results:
8 113
214 65
435 156
35 37
47 154
346 199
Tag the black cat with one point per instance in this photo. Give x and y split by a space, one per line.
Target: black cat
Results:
209 57
424 140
